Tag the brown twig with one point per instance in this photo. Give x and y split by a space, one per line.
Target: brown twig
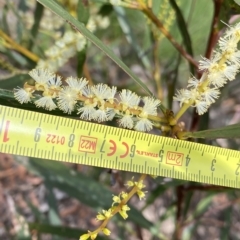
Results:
10 43
157 71
181 190
148 12
213 37
87 74
180 198
139 232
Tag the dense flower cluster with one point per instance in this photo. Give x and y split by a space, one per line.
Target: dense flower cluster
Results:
119 206
70 43
63 49
222 67
97 103
49 22
166 16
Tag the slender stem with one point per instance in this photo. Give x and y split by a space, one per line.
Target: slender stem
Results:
204 82
148 12
212 39
182 110
214 28
87 74
9 67
180 200
18 47
157 70
183 135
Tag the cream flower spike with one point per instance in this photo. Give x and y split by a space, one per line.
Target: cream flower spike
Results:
97 103
222 67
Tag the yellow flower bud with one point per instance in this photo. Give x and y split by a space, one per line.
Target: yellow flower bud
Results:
107 213
106 231
84 236
100 217
125 208
124 195
123 214
116 199
141 194
140 184
129 184
93 236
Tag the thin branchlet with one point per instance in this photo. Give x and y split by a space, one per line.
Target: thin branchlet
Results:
119 205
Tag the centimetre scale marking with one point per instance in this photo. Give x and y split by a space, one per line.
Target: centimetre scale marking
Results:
56 138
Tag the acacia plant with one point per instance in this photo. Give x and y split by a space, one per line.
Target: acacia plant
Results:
171 93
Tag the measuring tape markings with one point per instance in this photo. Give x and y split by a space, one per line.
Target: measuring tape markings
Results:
64 139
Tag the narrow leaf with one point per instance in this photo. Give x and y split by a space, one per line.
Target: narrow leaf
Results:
83 11
202 206
53 214
184 31
81 187
4 23
129 34
81 58
237 2
37 19
62 231
105 10
14 81
57 9
228 220
231 131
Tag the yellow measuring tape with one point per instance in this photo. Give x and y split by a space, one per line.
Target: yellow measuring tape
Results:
57 138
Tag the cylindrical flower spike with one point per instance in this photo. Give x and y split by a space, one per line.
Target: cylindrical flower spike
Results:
96 103
62 50
222 67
